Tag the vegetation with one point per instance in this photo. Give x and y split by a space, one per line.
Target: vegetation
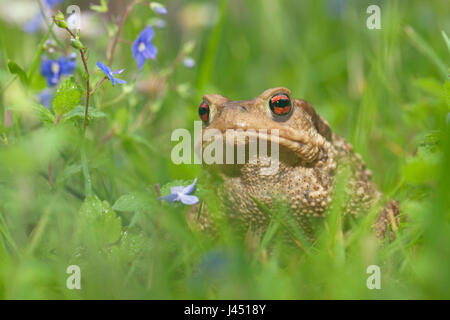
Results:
79 190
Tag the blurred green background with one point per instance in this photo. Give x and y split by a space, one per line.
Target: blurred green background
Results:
386 91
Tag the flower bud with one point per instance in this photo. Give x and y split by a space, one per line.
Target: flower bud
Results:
76 43
59 20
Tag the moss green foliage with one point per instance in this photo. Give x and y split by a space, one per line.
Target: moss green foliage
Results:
90 199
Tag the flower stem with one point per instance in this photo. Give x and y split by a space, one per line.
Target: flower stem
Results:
84 164
121 22
86 70
98 85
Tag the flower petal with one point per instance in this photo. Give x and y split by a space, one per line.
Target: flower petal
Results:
135 48
46 68
176 189
102 67
189 200
140 59
118 71
147 34
171 198
67 65
150 51
119 81
189 188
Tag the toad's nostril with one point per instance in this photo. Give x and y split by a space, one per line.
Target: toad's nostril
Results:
244 109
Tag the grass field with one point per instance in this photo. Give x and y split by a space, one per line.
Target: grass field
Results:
70 196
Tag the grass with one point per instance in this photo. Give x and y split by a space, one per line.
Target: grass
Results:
386 91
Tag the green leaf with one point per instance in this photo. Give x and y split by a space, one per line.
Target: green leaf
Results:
134 201
45 115
99 221
424 166
78 114
67 97
14 68
130 246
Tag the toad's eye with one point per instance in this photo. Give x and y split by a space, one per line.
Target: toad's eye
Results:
280 104
203 111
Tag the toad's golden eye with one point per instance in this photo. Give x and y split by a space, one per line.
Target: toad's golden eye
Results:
280 104
203 111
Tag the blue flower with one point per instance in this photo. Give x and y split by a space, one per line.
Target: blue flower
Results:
158 8
110 74
189 62
52 70
180 193
143 48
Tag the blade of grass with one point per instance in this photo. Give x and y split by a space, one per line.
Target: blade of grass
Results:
427 50
291 234
4 231
446 39
38 52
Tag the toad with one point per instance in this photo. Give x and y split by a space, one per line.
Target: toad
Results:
311 160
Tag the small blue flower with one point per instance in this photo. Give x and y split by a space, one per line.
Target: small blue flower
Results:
52 70
180 193
188 62
143 48
110 74
158 8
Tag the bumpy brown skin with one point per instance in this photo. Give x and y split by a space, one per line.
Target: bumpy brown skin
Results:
311 157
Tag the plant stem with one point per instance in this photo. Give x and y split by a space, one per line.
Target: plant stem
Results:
121 22
84 164
86 70
85 168
98 85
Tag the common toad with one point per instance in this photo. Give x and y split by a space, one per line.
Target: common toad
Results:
311 157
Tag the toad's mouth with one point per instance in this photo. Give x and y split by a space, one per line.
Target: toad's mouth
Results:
262 141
